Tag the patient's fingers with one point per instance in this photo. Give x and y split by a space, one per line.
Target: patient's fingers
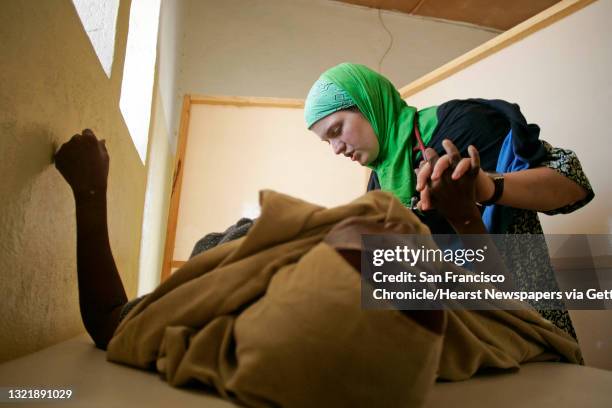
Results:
88 133
451 149
450 160
461 168
474 158
471 164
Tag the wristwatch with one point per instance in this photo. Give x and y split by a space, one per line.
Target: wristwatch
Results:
498 184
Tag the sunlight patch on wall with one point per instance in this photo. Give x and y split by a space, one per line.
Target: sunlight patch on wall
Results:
99 19
139 71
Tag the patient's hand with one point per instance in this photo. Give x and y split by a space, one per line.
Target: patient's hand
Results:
448 183
83 161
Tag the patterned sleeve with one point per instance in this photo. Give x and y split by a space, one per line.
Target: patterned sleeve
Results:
566 162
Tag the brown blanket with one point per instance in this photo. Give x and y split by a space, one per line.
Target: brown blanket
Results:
275 319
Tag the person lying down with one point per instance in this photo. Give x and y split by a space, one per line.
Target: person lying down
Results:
274 317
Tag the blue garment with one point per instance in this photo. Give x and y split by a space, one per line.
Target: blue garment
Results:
497 217
505 142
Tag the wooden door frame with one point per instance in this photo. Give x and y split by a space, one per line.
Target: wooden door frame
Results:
179 162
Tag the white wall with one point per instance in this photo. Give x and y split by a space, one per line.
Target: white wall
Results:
278 48
275 48
560 76
99 20
169 48
160 157
160 163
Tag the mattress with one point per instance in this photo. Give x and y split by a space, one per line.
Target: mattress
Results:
77 365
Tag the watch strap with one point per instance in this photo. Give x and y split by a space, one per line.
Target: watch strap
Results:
498 184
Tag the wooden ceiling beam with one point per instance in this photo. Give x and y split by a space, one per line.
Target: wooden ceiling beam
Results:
496 14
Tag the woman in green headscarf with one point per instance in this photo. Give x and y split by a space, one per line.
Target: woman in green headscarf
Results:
379 111
362 116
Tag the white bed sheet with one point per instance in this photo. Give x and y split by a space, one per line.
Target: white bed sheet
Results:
78 365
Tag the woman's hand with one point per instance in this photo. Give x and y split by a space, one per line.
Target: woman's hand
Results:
448 183
83 161
484 183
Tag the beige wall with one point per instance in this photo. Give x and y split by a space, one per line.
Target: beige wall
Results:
560 76
233 152
51 87
278 48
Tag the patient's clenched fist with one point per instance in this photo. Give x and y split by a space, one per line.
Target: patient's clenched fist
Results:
83 161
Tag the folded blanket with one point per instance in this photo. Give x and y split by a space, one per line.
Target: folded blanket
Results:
275 319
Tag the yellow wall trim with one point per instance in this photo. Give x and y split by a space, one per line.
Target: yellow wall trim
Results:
247 101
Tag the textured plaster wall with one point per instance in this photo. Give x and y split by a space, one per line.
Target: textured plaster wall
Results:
52 86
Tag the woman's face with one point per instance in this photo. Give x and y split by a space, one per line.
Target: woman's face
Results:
349 133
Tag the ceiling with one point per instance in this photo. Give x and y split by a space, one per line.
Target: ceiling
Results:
495 14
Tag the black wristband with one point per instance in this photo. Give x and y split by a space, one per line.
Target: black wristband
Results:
498 184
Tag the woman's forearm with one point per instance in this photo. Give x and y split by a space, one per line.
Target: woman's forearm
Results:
539 189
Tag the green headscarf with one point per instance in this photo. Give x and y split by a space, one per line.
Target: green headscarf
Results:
347 85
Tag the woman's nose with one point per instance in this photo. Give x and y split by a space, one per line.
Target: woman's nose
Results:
338 146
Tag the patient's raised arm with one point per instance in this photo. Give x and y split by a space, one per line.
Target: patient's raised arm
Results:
83 161
453 197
